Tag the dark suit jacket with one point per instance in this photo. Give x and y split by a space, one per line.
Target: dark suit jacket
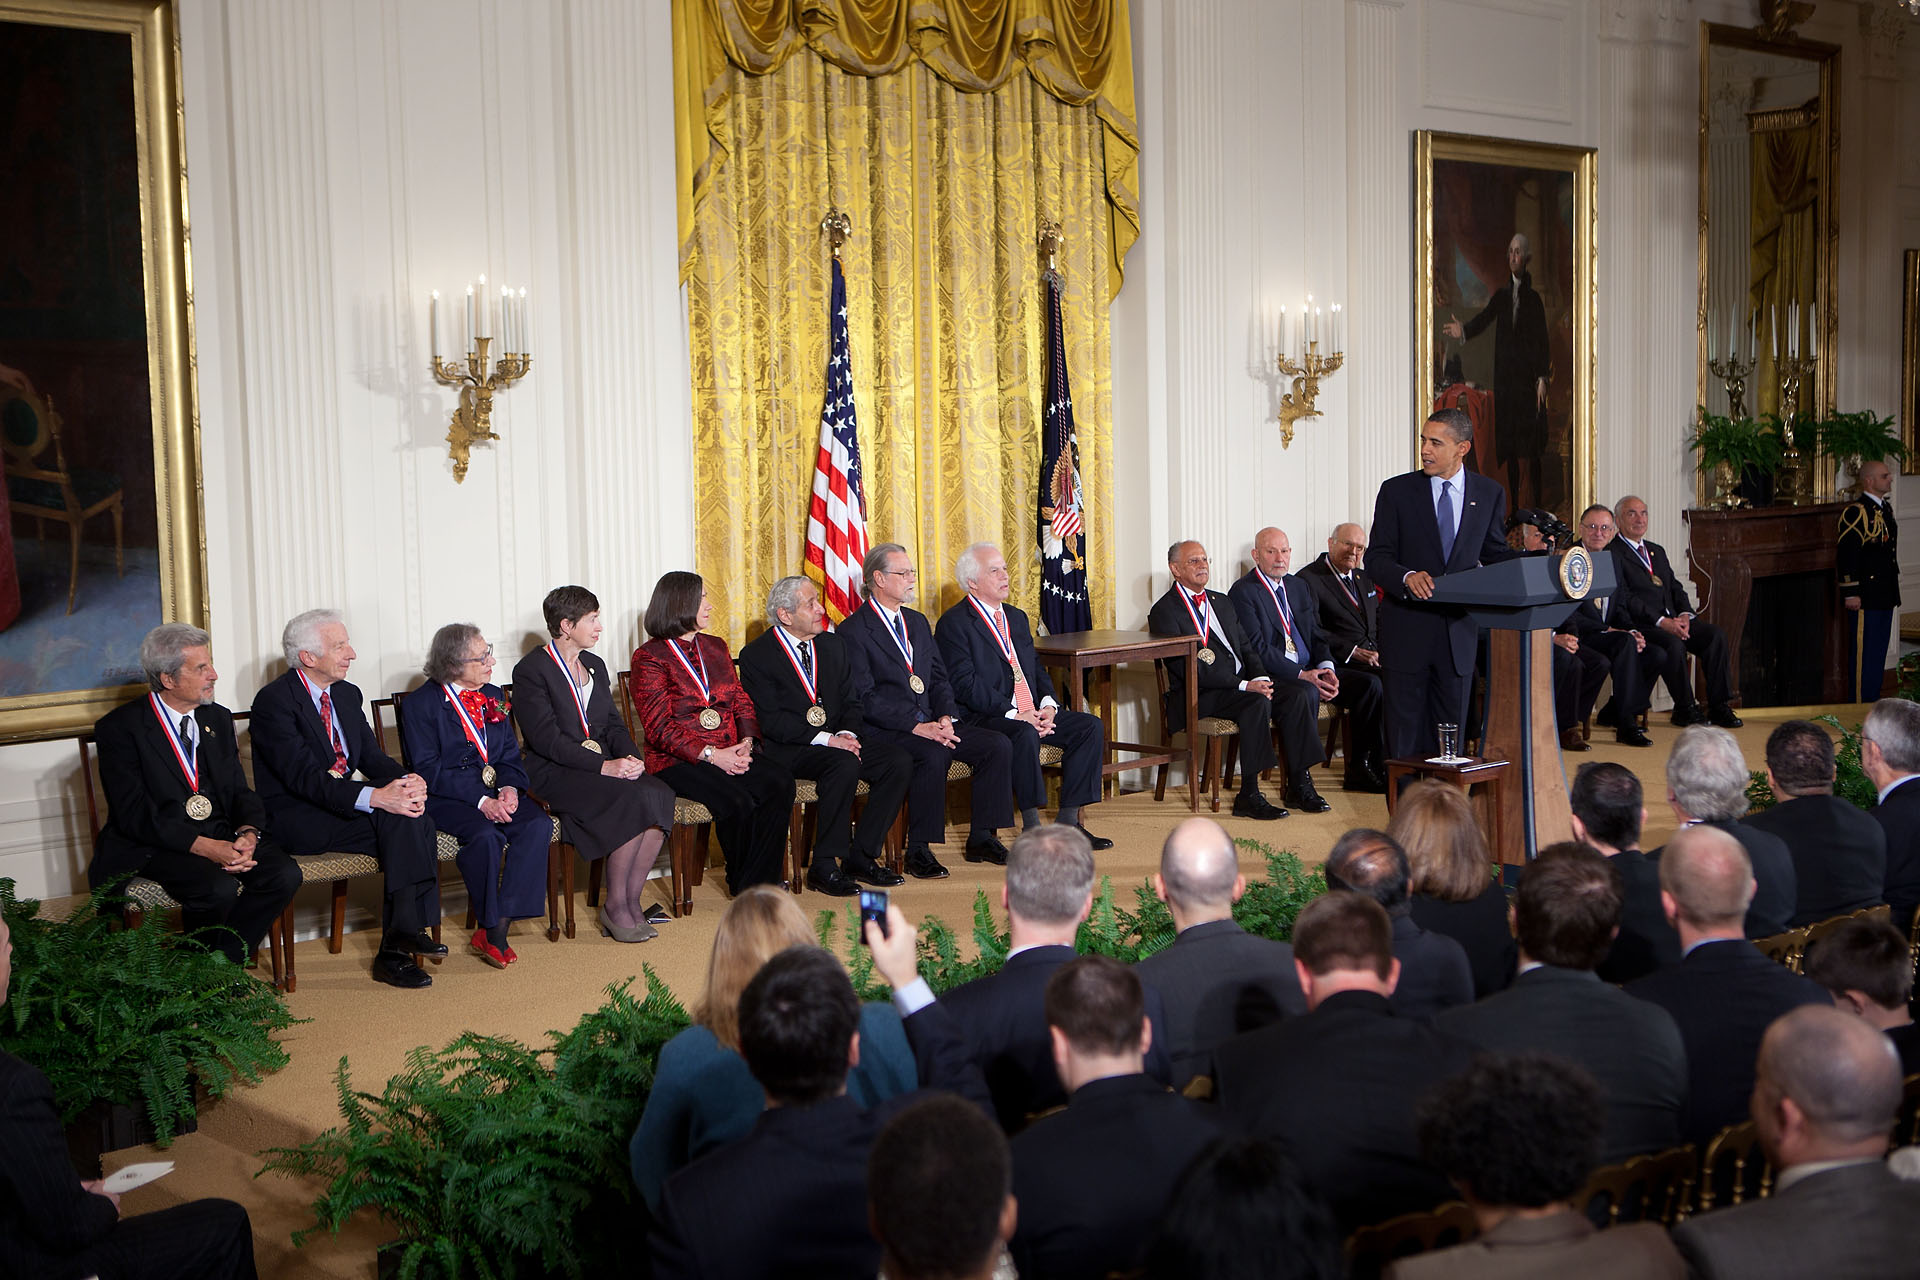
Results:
147 793
1260 619
880 671
1776 889
1866 557
1217 980
1851 1223
1338 1088
977 667
1839 855
1723 996
1406 539
1646 941
1647 601
439 750
292 753
1480 926
1169 617
1521 356
1588 620
549 719
1093 1181
1899 817
1002 1019
1346 625
1632 1048
1564 1246
780 700
1434 972
44 1215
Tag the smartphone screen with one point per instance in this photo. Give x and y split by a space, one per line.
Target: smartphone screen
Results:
873 906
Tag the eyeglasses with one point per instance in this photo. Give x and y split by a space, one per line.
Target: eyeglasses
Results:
901 573
485 657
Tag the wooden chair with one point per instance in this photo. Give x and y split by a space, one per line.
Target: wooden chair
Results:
1821 928
1786 948
1339 732
1371 1249
29 428
1219 733
1656 1187
1733 1168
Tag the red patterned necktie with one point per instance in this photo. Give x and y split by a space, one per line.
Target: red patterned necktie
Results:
1022 695
333 734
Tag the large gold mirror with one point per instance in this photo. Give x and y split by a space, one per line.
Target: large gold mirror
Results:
1767 143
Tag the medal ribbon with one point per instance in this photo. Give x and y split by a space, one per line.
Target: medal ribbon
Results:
479 740
899 640
190 771
1201 620
699 677
1286 615
586 730
1345 590
799 669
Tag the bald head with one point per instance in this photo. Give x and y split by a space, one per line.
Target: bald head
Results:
1347 547
1272 552
1199 870
1876 478
1710 879
1840 1073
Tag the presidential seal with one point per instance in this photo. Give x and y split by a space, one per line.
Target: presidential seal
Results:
1576 573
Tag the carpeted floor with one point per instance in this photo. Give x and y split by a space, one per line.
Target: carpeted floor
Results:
554 983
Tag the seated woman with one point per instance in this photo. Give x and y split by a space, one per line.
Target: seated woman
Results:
583 763
700 726
1454 889
703 1095
459 740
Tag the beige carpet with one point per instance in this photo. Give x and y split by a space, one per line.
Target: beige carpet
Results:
554 983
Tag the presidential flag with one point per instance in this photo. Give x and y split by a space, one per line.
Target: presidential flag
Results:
837 516
1064 605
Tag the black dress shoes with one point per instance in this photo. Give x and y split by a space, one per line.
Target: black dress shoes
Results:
1692 714
1632 737
1257 807
922 865
1366 781
867 871
417 944
1300 794
1608 717
835 883
1724 717
397 969
985 849
1098 842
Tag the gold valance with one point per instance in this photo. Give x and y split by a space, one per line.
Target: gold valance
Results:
1079 51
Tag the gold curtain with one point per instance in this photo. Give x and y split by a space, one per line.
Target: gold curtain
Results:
945 187
1783 267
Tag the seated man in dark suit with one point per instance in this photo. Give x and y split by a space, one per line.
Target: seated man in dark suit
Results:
1839 851
790 1198
1607 815
1347 608
329 787
1707 783
1565 915
940 1192
1002 1017
1001 688
54 1225
1603 625
1519 1134
179 810
1867 968
1725 992
1435 973
902 686
1825 1099
1337 1087
1890 754
1093 1180
1657 607
1233 684
1216 979
1579 668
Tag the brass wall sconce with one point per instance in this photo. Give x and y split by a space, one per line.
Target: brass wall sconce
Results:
475 376
1307 366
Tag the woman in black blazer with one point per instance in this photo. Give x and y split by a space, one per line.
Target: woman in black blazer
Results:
584 765
1454 889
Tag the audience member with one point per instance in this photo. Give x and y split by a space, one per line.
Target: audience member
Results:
53 1224
1455 891
1657 606
1002 1017
1707 782
1338 1085
1607 814
179 810
1724 992
1435 973
1348 612
1890 754
1241 1212
1566 914
939 1192
1519 1134
790 1198
1216 979
703 1096
1827 1090
1866 966
1093 1179
1839 851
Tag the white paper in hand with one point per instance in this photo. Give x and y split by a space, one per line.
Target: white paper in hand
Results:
137 1175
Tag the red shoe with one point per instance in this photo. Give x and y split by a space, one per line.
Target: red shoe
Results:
490 953
511 955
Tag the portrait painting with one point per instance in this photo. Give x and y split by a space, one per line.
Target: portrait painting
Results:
100 525
1505 301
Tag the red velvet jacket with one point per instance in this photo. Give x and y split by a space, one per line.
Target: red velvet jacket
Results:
667 700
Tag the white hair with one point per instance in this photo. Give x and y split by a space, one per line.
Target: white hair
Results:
304 633
967 569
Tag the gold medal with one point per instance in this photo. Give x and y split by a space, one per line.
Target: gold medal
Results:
592 746
1656 580
816 715
709 718
1206 656
916 684
487 775
199 808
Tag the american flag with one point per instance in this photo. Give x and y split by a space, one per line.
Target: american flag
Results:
837 516
1064 605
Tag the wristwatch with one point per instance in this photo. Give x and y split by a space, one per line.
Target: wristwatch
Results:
706 753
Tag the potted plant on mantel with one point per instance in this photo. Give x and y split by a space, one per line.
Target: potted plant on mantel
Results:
1853 438
130 1024
1731 448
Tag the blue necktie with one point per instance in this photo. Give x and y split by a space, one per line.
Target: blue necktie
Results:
900 628
1445 515
1286 614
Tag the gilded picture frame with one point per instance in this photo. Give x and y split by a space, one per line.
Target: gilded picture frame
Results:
1475 198
1910 362
99 422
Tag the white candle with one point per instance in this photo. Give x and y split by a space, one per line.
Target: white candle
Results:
1773 327
1753 322
472 325
1709 333
433 321
1813 336
1284 346
483 324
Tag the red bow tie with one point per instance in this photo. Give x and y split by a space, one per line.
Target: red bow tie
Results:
475 702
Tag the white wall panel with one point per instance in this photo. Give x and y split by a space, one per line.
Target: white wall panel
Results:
1511 58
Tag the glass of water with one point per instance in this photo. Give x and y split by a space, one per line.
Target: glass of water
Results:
1449 741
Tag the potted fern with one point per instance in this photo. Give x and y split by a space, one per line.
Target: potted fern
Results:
1853 438
1730 450
131 1025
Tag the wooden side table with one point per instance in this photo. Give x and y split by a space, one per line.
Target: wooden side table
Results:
1077 652
1466 775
